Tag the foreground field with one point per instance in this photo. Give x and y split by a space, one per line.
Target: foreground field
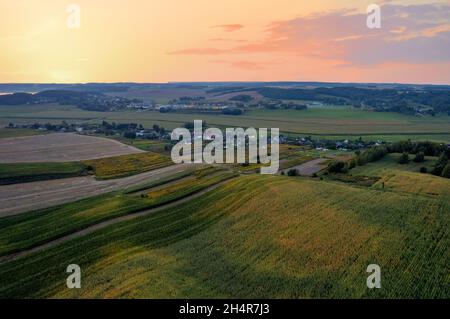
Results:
311 239
60 147
34 228
20 198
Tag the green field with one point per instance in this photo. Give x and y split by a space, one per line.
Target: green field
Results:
13 132
312 239
102 168
343 122
389 164
31 229
30 172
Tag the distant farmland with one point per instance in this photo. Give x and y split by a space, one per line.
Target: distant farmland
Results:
338 121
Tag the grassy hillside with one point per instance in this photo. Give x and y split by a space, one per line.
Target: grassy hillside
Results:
256 237
389 164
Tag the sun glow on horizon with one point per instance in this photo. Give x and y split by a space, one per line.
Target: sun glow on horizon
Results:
199 40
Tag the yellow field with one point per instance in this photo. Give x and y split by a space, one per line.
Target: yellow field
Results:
125 165
415 183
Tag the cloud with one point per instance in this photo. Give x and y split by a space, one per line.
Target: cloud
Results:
198 51
409 34
244 64
229 27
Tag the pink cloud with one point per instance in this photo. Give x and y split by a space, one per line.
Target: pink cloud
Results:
229 27
198 51
409 34
246 64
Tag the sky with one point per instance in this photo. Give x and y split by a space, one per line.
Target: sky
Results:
224 40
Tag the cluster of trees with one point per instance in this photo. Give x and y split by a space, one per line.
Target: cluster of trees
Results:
371 155
442 167
232 111
404 158
394 100
242 98
188 100
428 148
275 104
92 101
418 149
338 167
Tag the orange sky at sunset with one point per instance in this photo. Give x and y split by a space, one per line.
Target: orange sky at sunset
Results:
233 40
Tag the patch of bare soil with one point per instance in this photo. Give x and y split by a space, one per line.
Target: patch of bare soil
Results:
60 147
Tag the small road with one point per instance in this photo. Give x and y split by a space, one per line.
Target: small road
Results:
93 228
19 198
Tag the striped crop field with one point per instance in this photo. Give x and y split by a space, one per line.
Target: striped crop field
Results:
312 239
126 165
31 229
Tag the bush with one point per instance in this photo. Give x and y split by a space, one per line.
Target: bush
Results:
419 158
292 172
403 159
351 163
232 111
130 135
337 167
371 155
446 171
423 170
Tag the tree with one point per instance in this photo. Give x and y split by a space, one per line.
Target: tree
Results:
446 171
440 164
419 158
337 167
404 158
189 125
352 163
130 135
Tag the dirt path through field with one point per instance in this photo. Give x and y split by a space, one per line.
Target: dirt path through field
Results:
309 168
20 198
91 229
